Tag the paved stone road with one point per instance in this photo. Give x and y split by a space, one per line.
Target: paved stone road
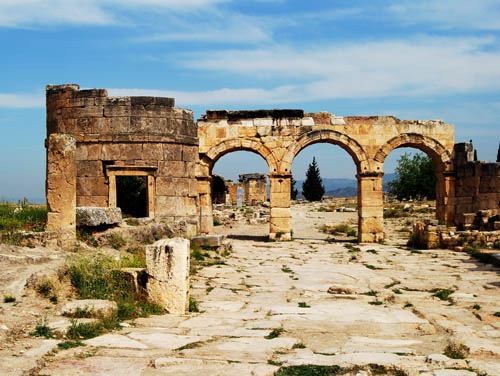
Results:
284 286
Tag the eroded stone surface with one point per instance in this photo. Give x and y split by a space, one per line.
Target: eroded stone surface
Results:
95 216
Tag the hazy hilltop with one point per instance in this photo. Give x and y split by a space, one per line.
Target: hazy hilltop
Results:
342 187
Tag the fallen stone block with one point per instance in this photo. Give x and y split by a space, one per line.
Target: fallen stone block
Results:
96 216
96 306
167 266
208 240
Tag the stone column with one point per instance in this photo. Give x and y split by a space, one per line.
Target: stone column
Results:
370 208
445 197
61 187
205 195
167 266
280 225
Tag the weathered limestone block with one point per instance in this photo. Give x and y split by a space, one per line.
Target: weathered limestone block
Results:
209 240
167 266
61 187
94 216
95 306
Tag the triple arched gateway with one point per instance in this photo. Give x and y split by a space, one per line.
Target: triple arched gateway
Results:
279 135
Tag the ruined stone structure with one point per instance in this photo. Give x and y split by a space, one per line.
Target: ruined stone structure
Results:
279 135
253 189
477 189
92 139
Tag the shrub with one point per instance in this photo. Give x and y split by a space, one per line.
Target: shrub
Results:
456 351
69 344
443 294
44 288
9 299
84 330
117 242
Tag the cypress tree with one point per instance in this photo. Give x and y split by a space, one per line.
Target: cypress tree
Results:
312 188
498 154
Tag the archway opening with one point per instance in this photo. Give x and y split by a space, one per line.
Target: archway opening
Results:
243 176
411 186
335 217
131 196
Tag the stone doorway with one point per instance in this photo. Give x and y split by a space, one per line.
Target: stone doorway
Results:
131 195
132 189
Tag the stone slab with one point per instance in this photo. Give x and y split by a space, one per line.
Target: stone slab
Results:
95 216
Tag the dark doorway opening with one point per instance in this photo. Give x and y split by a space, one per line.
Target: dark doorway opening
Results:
131 195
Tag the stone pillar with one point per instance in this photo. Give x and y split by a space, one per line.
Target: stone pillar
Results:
167 266
205 195
280 225
445 198
61 188
370 208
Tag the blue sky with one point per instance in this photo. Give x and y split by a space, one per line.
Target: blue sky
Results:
428 59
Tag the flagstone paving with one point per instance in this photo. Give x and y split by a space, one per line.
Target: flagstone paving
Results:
269 305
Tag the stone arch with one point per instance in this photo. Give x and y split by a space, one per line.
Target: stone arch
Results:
433 148
442 160
351 146
240 144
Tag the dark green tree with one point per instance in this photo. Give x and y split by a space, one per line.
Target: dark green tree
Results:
293 191
312 188
498 153
415 177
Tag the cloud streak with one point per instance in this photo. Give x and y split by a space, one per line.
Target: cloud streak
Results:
20 101
28 13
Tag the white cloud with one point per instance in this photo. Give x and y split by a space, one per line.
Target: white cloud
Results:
8 100
19 13
25 13
214 97
219 28
415 67
462 14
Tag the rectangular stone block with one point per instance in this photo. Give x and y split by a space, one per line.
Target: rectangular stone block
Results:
89 168
208 240
152 151
282 223
111 152
280 200
167 265
130 151
280 213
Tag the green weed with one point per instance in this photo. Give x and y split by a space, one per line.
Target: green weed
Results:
69 344
274 333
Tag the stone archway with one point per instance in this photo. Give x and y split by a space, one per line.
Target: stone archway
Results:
207 162
445 180
279 135
351 146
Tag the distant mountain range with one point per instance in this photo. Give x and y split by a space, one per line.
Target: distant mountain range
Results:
342 187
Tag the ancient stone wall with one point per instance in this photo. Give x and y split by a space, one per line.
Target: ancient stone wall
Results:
128 136
254 188
477 187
